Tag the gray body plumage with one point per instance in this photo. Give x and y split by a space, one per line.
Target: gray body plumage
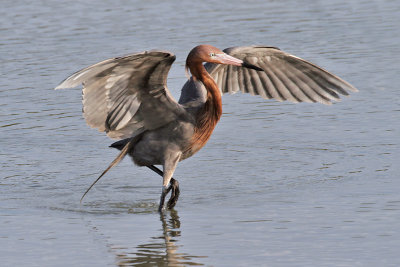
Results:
127 97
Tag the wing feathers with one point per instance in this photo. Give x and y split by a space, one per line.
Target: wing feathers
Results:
310 87
303 92
257 84
241 81
280 86
270 88
285 77
126 94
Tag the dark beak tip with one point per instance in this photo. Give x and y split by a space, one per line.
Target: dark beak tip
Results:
251 66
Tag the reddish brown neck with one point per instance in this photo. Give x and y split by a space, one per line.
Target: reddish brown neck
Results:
209 115
213 94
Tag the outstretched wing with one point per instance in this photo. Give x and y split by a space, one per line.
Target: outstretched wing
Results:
285 77
124 95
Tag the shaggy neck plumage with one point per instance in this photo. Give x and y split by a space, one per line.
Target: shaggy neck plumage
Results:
208 116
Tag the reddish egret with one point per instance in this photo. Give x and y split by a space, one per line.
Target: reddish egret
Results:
127 97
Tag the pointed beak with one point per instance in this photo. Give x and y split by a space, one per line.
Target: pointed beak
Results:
229 60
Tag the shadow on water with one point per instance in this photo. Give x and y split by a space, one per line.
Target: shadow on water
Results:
162 250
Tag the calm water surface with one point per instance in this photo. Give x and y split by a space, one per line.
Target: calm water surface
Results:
278 184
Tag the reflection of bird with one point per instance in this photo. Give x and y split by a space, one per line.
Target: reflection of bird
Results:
127 97
160 250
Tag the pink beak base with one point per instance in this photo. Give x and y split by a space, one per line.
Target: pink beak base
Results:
228 60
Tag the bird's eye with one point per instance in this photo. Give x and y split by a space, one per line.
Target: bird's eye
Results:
212 54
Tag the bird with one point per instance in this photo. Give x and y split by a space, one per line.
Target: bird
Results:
127 98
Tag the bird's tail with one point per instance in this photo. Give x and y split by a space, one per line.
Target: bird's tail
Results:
121 155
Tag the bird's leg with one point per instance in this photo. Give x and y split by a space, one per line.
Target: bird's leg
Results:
160 172
174 185
162 199
169 167
156 170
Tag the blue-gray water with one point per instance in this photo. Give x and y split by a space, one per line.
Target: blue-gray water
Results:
278 184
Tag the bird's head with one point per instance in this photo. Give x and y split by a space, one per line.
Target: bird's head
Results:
211 54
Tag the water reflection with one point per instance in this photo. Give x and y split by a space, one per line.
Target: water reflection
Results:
162 250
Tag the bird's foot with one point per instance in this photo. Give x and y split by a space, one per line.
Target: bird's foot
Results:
174 188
